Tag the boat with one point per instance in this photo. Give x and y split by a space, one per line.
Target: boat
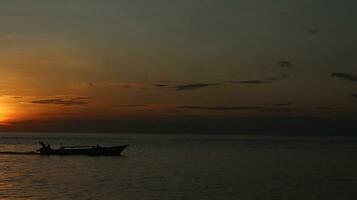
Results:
81 150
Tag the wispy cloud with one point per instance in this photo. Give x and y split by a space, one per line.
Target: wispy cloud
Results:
285 64
221 107
161 85
65 102
134 86
129 106
266 80
234 108
344 76
251 82
80 98
284 104
171 111
193 86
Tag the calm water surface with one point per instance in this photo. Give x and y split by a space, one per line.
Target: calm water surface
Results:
182 167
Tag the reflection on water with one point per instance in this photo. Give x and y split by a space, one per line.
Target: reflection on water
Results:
182 167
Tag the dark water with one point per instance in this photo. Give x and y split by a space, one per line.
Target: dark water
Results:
182 167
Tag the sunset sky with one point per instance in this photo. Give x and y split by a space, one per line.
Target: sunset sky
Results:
132 65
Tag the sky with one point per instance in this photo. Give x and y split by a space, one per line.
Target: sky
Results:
225 66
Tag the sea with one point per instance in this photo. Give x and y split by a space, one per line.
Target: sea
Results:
182 167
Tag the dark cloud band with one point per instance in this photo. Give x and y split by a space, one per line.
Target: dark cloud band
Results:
193 86
65 102
344 76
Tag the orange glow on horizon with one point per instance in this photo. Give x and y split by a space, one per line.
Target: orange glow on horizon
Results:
8 114
4 114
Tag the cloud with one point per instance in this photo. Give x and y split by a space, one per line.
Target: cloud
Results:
285 64
65 102
284 104
171 111
129 106
234 108
80 98
161 85
221 107
267 80
134 86
345 76
251 82
125 85
194 86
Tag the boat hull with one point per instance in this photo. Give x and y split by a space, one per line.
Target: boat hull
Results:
94 151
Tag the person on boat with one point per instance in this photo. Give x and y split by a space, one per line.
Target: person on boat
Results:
45 148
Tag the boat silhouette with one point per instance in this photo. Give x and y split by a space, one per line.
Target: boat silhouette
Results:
81 150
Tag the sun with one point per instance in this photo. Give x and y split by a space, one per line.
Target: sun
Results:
3 114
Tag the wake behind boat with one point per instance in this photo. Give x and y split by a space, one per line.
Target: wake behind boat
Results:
81 150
